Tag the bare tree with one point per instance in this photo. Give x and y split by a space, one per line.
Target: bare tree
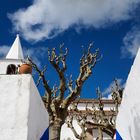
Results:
99 118
55 99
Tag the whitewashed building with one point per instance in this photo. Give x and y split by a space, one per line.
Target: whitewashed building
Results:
92 131
20 101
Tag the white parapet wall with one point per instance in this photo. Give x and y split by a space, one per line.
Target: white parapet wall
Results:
22 112
67 134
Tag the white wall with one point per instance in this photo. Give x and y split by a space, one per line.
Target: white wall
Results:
38 119
67 133
81 106
22 113
4 63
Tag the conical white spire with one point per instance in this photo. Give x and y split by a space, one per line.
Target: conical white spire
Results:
16 50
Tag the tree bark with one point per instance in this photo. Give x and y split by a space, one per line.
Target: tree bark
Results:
100 133
54 131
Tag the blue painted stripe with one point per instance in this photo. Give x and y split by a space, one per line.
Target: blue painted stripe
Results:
118 137
45 136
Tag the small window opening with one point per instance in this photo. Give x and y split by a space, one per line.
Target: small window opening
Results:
11 69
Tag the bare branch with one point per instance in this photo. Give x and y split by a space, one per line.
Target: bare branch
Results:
70 84
55 61
38 81
45 83
99 94
55 90
87 62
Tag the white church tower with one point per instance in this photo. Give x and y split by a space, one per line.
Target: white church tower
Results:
22 112
13 58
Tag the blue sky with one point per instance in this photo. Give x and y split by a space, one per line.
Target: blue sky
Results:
112 25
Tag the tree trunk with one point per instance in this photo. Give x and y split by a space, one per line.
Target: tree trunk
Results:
100 133
54 132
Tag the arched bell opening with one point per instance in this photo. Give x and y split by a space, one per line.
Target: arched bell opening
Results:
11 69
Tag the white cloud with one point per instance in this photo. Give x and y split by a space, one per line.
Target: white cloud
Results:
48 18
131 43
4 50
107 92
